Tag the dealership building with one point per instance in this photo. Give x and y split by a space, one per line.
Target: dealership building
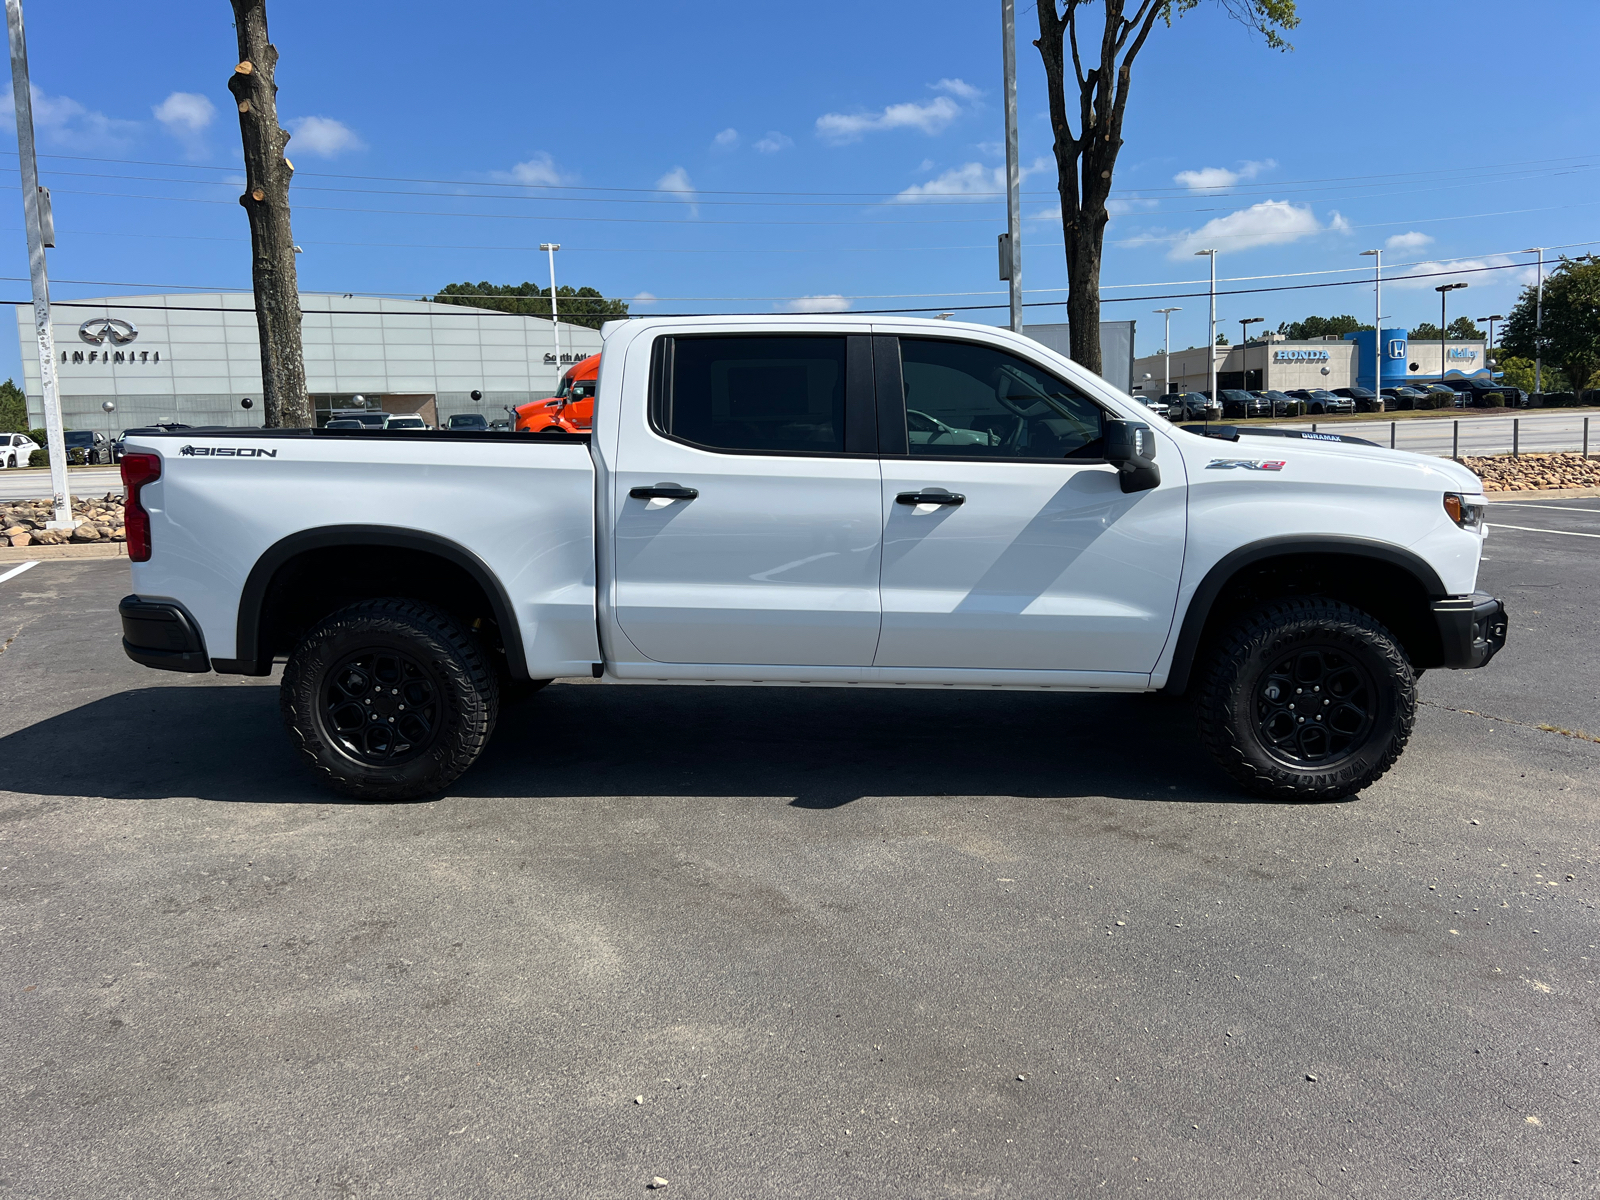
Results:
195 358
1276 364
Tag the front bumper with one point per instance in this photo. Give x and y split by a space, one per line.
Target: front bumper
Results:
161 634
1472 629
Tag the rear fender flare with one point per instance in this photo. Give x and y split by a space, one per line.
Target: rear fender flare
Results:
252 661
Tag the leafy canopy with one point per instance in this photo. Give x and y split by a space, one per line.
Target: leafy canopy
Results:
1316 327
578 306
1462 329
1570 333
13 409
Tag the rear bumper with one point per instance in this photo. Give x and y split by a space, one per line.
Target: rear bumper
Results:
161 634
1472 629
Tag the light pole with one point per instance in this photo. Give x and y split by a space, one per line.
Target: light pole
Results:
1166 356
1377 318
35 214
1244 339
1489 349
108 407
555 326
1538 323
1443 290
1008 31
1211 341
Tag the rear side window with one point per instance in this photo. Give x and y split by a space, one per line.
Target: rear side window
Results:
970 401
783 393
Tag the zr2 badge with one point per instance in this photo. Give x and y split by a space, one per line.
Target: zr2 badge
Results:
1247 464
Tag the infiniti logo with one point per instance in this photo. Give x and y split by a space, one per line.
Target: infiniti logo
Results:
97 331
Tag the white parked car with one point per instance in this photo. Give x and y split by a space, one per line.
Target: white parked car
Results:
15 449
405 421
818 502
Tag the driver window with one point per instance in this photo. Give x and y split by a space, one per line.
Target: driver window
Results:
970 401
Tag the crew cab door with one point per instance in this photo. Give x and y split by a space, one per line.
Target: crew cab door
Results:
748 504
1008 543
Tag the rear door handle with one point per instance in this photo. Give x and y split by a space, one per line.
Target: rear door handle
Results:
930 498
663 491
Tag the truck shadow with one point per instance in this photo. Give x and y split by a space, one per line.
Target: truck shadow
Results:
819 748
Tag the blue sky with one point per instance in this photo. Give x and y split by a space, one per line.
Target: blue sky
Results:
738 157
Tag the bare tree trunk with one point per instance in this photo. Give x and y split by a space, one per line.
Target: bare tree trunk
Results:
266 201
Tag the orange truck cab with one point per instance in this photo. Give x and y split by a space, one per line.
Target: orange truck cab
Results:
571 409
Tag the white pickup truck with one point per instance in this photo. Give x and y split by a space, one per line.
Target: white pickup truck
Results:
814 501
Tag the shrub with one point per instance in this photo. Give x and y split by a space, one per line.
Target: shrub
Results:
1560 400
1491 400
38 435
39 458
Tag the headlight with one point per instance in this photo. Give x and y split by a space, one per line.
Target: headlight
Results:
1464 512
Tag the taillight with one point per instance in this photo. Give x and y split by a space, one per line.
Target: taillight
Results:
138 470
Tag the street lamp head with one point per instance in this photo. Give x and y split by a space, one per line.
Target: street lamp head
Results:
1203 253
1370 253
1167 310
549 245
1449 287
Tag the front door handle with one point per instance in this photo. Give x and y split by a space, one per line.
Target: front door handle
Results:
664 491
930 498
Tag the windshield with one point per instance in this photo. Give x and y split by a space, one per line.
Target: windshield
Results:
1321 394
468 421
79 437
405 422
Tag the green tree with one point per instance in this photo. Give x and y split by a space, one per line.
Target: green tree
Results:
1518 373
13 409
1222 339
1570 332
1316 327
577 306
1087 122
1462 329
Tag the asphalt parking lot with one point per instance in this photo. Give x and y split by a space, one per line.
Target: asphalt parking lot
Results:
803 943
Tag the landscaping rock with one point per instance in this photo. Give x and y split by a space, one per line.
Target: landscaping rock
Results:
1534 472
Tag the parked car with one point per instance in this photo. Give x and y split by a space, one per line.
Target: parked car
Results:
368 418
1303 578
88 447
501 426
1321 402
468 421
1366 400
1281 403
405 421
344 423
571 409
1403 398
1158 406
1238 403
1192 406
15 449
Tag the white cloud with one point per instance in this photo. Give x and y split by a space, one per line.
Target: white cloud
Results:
1466 270
185 112
62 121
930 118
1207 178
1270 223
991 149
1121 206
538 171
969 179
815 304
643 298
927 164
957 87
323 136
1338 222
774 142
1408 241
677 181
726 140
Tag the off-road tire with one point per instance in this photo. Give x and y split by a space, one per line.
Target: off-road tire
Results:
445 664
1236 715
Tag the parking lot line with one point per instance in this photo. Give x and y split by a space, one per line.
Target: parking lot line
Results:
1529 529
1552 507
15 571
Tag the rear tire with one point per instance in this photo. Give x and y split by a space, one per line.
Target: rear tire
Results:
1307 700
389 700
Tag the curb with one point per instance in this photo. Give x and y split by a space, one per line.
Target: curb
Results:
1577 493
16 554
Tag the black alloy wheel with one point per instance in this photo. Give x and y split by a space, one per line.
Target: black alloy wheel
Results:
389 699
381 707
1315 707
1306 699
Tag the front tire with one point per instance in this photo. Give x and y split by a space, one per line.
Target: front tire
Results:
1307 700
389 700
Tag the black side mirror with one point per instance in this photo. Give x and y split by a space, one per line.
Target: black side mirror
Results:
1131 448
